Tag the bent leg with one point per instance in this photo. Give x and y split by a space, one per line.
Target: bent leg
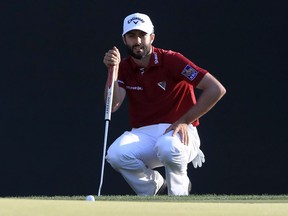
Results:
132 155
175 156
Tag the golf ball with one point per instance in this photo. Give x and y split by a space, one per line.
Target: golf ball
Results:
90 198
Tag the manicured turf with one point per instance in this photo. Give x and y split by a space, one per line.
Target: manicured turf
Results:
207 205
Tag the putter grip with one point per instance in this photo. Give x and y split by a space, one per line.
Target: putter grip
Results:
109 97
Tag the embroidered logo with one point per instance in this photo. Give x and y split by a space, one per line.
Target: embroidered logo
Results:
135 88
189 72
135 20
156 61
162 85
142 70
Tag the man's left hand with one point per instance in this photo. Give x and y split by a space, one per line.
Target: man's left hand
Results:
181 129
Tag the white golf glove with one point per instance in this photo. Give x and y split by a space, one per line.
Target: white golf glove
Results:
199 159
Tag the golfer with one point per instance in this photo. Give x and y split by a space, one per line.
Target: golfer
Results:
163 111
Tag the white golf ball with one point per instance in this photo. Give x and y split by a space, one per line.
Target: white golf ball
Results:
90 198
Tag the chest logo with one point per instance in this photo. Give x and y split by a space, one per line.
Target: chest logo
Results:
162 85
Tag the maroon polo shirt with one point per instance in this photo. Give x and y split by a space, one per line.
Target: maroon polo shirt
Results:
162 92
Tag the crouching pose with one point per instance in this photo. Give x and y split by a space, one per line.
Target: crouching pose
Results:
163 111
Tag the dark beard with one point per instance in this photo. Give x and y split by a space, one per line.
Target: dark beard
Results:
136 56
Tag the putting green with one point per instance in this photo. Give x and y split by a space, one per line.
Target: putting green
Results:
28 207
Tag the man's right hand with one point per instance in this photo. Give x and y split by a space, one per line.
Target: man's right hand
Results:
112 57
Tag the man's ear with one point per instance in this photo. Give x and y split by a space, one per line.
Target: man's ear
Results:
152 38
124 40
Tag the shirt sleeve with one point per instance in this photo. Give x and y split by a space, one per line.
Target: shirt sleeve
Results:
121 76
184 69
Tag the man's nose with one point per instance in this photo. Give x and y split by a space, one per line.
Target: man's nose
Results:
138 40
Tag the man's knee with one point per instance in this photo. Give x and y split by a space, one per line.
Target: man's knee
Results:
122 160
113 158
167 149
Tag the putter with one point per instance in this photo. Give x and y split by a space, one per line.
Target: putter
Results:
108 108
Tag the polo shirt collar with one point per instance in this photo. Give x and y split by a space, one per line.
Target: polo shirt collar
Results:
154 60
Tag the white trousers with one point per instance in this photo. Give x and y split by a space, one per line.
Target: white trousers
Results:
136 153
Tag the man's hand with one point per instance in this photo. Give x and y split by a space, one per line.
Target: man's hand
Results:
112 57
181 129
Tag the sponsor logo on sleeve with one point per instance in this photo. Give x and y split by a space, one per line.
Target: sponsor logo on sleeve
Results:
189 72
120 82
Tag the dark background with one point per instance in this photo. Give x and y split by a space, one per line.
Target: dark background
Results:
52 81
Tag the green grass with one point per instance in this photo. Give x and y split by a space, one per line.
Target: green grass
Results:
200 205
191 198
